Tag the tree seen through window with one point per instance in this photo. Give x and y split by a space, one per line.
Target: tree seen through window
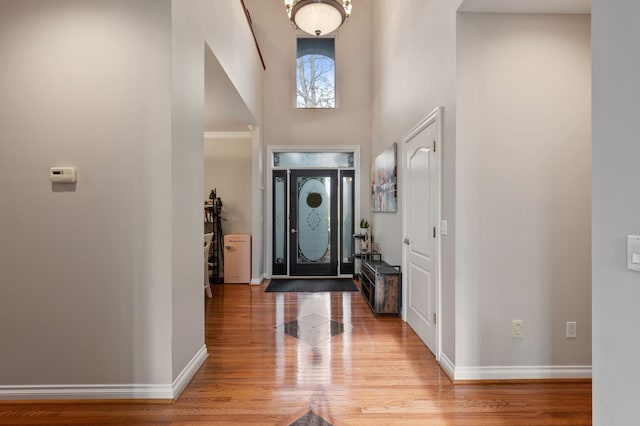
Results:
315 73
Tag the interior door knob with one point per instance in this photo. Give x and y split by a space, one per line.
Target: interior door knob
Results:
293 231
406 241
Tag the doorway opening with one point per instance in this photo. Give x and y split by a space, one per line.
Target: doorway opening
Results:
229 149
313 203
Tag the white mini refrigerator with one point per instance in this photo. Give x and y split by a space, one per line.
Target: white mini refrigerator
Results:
237 258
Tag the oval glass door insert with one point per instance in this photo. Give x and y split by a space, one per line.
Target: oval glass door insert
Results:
314 233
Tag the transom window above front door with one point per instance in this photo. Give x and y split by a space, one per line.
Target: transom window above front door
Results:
303 160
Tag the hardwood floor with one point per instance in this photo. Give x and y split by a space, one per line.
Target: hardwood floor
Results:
372 371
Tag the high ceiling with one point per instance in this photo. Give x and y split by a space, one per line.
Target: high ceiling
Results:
527 6
225 111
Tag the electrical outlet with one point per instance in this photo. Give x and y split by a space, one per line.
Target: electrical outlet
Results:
571 329
517 328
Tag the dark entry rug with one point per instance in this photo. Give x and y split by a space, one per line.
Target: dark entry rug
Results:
311 285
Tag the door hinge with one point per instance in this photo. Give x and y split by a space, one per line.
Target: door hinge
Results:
434 319
434 232
434 146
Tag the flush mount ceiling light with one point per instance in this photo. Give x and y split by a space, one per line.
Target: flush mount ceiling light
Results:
318 17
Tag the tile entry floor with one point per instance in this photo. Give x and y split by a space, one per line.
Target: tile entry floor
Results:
313 329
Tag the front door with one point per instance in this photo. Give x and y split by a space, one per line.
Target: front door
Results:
313 222
422 216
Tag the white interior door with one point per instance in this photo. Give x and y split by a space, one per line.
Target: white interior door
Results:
421 219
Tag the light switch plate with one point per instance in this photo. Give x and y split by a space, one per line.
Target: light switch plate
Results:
444 227
633 252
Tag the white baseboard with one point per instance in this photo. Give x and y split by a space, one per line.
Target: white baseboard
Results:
523 372
96 391
189 371
33 392
447 365
257 281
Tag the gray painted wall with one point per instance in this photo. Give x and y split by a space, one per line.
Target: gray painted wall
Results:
227 168
86 269
413 72
414 68
102 281
616 211
523 189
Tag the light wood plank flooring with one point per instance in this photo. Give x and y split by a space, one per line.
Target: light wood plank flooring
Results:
345 367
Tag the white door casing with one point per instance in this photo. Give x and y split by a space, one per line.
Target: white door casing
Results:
421 220
355 149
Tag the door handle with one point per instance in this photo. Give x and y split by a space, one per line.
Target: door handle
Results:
406 241
293 230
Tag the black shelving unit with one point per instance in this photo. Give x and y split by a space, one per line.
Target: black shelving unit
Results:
213 224
358 256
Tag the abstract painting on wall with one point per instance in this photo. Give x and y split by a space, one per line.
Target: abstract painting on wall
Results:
383 182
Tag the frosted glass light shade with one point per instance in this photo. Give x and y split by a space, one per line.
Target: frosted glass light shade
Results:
318 17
